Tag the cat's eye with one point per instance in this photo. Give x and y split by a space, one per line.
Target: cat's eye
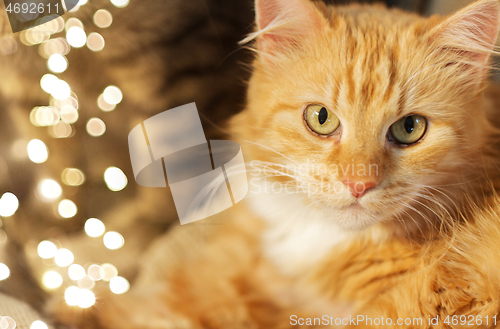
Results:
321 120
408 130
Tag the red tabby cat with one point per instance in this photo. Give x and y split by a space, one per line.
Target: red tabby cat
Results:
371 143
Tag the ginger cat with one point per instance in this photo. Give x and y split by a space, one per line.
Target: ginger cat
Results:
371 142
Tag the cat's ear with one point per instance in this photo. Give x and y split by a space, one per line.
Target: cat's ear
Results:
283 25
471 33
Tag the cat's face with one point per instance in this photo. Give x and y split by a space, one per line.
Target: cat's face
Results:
368 116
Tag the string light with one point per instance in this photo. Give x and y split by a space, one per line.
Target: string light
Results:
8 204
4 271
113 240
94 227
37 151
115 179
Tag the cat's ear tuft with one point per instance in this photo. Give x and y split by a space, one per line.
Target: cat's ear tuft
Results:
471 33
282 25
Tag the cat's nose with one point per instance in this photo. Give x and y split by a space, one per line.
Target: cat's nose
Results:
359 188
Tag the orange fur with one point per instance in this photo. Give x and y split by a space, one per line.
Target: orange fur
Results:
424 242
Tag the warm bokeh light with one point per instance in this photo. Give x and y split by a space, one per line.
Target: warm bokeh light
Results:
42 116
50 189
57 63
110 271
120 3
38 325
6 322
95 42
61 130
64 257
48 82
86 298
94 227
103 18
46 249
96 272
73 22
73 177
115 179
72 295
8 45
86 283
76 272
76 37
52 280
96 127
4 271
113 240
103 105
61 91
112 95
119 285
67 208
69 114
37 151
8 204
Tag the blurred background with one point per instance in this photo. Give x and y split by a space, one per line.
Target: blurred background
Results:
71 214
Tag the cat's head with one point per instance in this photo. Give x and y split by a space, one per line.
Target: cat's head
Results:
368 113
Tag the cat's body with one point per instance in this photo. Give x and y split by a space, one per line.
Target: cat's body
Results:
420 240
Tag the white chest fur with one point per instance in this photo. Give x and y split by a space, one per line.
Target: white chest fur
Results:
297 236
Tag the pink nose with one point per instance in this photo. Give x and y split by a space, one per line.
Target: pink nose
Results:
358 188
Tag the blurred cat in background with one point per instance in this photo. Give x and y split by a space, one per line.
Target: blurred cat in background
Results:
404 220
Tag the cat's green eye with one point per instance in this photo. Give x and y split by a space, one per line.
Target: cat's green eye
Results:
321 120
409 130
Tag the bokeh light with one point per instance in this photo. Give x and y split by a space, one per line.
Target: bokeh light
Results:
115 179
42 116
50 189
52 280
76 37
103 18
119 285
69 114
8 204
86 283
72 295
110 271
7 322
103 105
4 271
113 240
46 249
94 227
73 22
38 325
61 90
86 298
73 177
76 272
48 82
57 63
37 151
67 208
8 45
61 130
120 3
96 127
64 257
95 42
112 95
96 272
